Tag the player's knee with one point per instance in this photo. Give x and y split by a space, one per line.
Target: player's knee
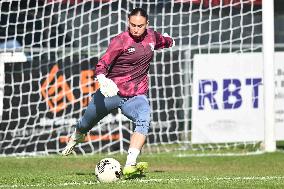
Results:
142 127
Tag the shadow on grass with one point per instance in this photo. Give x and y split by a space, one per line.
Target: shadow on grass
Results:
85 174
136 176
158 171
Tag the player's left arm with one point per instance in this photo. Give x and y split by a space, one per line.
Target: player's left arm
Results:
163 41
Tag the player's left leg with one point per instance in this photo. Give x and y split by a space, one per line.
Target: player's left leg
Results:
138 110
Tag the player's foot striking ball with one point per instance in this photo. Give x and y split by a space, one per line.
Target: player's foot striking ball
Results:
136 169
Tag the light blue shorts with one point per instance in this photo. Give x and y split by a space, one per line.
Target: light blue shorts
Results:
135 108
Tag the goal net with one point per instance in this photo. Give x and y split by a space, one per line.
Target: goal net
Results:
49 49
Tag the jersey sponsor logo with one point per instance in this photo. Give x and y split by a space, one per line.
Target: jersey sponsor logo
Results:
131 49
152 46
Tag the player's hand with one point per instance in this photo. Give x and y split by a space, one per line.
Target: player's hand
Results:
167 35
107 87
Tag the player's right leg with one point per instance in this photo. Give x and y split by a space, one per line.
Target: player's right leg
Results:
97 109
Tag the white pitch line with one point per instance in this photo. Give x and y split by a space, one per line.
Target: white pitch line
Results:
220 154
47 185
264 178
189 179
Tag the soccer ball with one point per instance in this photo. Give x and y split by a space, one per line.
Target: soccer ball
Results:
108 170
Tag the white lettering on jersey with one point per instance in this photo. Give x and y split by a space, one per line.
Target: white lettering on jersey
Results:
131 49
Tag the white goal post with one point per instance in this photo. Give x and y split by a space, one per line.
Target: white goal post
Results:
46 80
269 71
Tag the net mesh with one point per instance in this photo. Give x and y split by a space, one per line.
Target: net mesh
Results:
44 96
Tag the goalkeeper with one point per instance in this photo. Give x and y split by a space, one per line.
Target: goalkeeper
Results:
122 73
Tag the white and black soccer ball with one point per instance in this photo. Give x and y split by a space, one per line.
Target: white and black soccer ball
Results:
108 170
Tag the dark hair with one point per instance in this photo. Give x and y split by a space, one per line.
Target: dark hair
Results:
138 11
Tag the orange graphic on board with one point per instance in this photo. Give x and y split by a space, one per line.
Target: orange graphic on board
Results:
58 94
90 137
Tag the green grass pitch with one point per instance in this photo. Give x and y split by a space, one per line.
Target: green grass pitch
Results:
167 170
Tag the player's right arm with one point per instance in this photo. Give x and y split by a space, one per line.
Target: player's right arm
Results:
114 49
107 87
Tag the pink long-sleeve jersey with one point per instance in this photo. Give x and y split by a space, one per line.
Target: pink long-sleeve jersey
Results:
127 60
